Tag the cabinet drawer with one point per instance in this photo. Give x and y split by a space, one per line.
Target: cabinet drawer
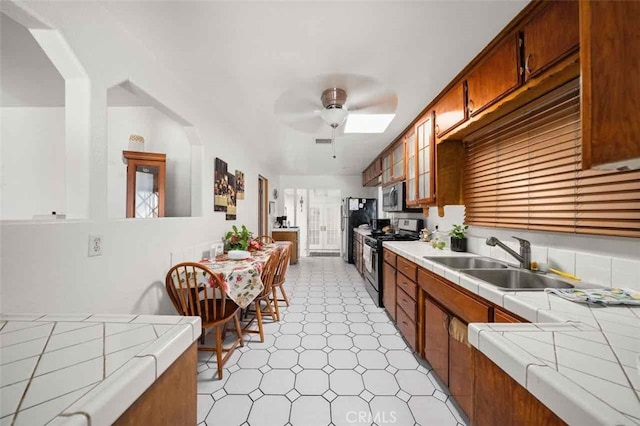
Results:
389 257
409 287
407 304
407 327
503 316
408 268
463 306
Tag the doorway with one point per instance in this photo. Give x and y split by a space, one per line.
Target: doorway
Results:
263 205
324 222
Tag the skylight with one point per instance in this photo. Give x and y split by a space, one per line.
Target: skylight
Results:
367 123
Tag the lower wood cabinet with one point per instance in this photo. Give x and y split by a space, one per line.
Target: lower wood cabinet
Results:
436 339
461 373
500 400
407 326
389 288
294 237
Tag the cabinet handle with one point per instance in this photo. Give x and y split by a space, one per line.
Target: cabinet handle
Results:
526 63
470 106
437 129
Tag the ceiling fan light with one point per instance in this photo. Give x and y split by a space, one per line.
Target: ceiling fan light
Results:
334 117
368 123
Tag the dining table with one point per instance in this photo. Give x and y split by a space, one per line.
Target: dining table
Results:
241 279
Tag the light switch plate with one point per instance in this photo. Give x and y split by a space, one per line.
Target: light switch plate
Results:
95 245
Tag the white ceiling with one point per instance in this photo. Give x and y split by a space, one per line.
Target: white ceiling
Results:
245 55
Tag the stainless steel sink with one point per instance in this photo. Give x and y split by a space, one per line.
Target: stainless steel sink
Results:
516 279
458 262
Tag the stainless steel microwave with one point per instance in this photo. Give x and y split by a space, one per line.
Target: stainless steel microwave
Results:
393 198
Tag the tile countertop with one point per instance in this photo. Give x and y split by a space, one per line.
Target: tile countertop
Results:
285 229
581 361
84 369
360 231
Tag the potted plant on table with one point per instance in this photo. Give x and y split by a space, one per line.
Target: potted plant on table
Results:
458 236
237 239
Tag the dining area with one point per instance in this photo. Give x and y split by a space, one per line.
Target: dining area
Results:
232 292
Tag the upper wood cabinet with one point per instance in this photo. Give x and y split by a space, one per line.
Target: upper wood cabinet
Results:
450 109
610 95
494 77
551 34
393 164
371 175
425 142
411 174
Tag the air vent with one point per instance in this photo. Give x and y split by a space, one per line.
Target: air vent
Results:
323 141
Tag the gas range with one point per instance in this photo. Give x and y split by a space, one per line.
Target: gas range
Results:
409 230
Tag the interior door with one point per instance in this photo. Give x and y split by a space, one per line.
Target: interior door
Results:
324 220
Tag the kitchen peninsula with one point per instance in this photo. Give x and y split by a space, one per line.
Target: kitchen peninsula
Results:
564 361
84 369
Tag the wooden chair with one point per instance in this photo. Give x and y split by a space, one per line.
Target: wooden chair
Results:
267 276
278 281
265 239
210 303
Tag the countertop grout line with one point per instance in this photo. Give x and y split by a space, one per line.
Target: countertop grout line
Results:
26 389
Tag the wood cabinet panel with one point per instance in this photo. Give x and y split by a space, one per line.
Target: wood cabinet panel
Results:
497 75
294 237
408 286
550 35
500 315
500 400
436 339
461 374
407 304
610 95
408 268
389 289
426 160
389 257
464 306
450 110
407 327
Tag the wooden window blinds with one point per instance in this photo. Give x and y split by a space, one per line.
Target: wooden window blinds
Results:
524 171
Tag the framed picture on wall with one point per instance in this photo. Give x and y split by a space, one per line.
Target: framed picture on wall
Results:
239 185
231 196
220 186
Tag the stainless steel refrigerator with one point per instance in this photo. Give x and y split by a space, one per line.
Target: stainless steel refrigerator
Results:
355 212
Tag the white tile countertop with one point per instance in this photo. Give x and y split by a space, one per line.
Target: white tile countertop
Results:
581 361
285 230
360 231
84 369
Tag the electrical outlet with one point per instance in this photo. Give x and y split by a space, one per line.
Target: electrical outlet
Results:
95 245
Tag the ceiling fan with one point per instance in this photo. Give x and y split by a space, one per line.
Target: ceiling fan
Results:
358 102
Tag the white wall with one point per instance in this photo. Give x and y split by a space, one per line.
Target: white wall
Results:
32 162
44 267
161 134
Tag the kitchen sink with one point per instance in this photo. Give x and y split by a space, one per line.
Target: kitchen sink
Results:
516 279
459 262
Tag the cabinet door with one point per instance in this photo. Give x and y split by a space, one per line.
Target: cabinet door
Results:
411 170
450 110
436 339
389 289
426 160
497 75
386 169
398 162
461 373
550 35
610 92
502 316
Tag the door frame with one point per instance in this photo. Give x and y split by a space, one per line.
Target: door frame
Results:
263 205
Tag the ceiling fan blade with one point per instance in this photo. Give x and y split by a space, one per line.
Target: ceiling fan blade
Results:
300 110
381 102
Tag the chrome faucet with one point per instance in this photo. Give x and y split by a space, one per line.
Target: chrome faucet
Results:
525 250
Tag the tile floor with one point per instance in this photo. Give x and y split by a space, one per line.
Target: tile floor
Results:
333 359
